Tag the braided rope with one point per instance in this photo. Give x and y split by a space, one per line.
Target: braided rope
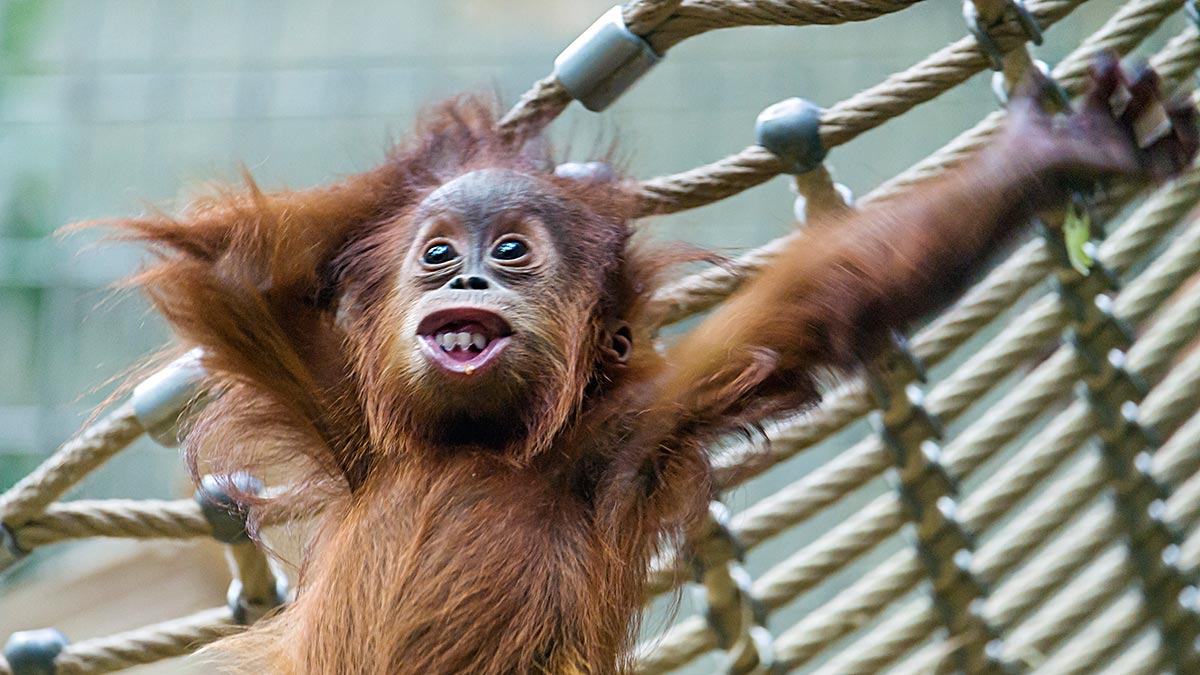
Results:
1048 568
1020 601
1032 527
1127 27
1123 620
700 16
1016 344
913 624
159 641
74 460
1022 339
899 93
1099 584
1142 658
1000 424
644 16
131 518
666 23
1177 459
977 308
1031 586
536 108
1184 507
169 639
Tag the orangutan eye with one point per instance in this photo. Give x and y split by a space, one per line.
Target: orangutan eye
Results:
438 254
510 249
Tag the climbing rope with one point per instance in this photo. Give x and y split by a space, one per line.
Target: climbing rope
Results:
1017 466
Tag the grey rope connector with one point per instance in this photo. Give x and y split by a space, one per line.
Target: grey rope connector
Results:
32 652
1000 85
228 520
586 172
226 516
603 62
790 130
160 400
1029 25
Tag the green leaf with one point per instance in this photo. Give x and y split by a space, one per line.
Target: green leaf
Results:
1077 231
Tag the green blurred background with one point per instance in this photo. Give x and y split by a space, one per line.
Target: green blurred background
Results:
107 106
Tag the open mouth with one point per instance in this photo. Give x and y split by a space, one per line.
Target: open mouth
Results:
465 339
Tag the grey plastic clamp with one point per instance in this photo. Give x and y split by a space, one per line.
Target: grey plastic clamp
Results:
10 550
1029 25
224 514
603 62
159 401
586 172
32 652
791 130
1000 85
246 613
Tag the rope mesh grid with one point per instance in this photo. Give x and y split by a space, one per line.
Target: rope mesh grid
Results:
1055 571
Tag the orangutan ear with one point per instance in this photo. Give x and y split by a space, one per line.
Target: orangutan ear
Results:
618 342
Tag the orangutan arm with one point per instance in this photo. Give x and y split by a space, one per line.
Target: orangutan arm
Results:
833 295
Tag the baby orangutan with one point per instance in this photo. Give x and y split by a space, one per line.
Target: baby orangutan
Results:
452 358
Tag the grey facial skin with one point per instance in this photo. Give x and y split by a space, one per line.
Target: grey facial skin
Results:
480 198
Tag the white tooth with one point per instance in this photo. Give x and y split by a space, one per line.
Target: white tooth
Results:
479 341
446 340
463 340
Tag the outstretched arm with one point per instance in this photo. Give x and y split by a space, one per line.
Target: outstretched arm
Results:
834 294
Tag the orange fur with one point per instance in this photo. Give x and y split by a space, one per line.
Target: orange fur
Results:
524 551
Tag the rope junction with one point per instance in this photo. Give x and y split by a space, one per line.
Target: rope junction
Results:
1055 525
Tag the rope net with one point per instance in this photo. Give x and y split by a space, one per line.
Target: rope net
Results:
1054 525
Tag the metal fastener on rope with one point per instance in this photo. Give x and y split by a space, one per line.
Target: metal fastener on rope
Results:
245 612
603 62
160 400
1029 25
791 130
586 172
225 515
32 652
1000 85
10 550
